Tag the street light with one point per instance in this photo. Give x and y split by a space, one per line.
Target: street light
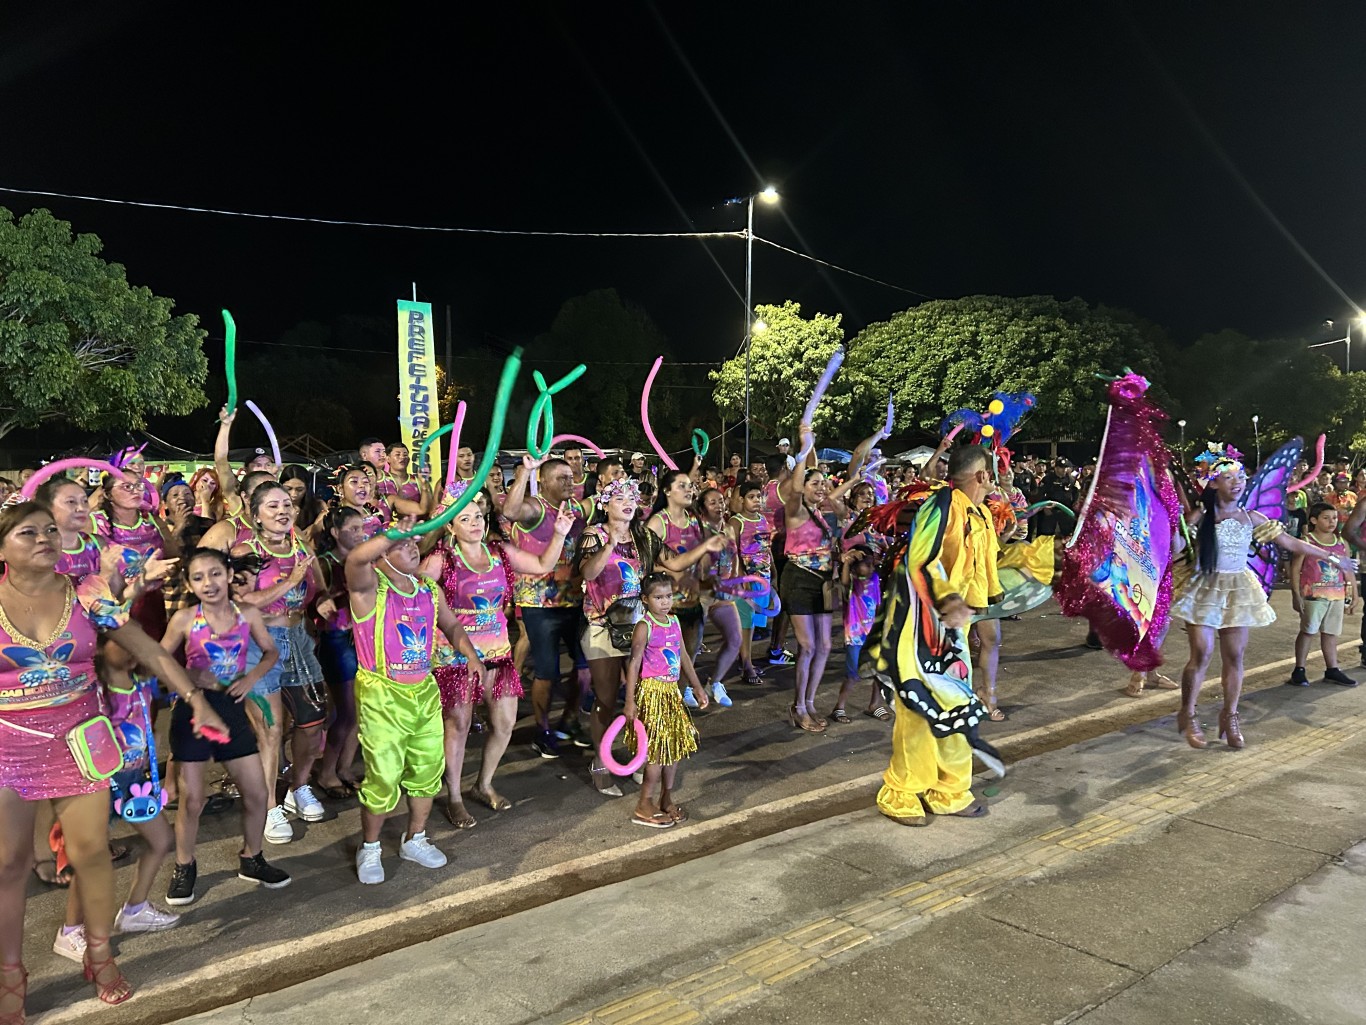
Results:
769 195
1255 420
1182 425
1361 323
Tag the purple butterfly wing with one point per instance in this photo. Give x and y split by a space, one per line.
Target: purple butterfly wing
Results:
1266 493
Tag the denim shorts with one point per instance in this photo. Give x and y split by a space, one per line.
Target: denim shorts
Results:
274 679
337 654
545 630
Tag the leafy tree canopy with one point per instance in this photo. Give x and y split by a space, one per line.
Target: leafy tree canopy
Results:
954 353
78 342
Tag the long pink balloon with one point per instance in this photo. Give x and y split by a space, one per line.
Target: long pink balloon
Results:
455 442
581 440
61 466
1318 467
645 415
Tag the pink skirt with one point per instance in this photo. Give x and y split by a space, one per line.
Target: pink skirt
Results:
459 687
38 769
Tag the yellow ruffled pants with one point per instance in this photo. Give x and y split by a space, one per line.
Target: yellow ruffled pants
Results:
402 739
926 771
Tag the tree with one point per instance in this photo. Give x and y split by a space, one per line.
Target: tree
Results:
78 342
604 404
954 353
786 360
1221 381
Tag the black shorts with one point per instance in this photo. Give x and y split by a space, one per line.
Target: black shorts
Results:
186 747
802 592
689 617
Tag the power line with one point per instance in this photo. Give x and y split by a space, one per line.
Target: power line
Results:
372 224
835 266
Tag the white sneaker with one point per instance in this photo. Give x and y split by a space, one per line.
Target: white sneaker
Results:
70 945
149 919
688 700
418 848
369 867
303 803
719 695
278 829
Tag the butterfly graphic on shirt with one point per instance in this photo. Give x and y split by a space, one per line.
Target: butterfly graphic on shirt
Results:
672 660
630 579
485 612
225 660
38 666
415 643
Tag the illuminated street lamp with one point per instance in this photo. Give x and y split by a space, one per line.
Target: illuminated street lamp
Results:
1361 323
1182 425
768 195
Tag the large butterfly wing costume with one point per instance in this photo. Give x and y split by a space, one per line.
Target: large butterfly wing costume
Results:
1266 494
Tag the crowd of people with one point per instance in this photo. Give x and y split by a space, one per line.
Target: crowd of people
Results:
275 626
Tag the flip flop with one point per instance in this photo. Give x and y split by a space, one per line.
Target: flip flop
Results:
61 880
881 713
678 813
341 793
496 802
659 820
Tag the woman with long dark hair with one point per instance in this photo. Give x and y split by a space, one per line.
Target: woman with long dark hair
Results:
1223 598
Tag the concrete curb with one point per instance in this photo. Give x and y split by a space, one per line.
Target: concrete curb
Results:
267 969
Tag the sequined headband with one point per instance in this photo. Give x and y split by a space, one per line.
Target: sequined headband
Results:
622 487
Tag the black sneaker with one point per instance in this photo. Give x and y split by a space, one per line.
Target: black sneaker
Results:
546 745
1298 678
1336 675
574 732
181 890
256 870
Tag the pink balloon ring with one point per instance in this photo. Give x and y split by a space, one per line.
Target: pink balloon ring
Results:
605 748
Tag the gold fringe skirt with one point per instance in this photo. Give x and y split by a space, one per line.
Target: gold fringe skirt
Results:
659 705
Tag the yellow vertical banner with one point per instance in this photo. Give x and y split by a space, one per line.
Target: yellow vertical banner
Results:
419 413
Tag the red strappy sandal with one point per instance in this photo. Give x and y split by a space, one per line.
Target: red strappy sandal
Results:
115 992
20 990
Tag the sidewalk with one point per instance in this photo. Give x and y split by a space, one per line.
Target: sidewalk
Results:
1125 881
754 777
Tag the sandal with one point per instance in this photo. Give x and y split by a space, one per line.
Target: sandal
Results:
608 791
457 816
1135 687
995 714
840 715
19 990
491 799
341 792
676 812
659 820
52 877
752 676
881 713
117 990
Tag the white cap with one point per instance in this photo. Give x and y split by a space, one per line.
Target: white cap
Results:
784 441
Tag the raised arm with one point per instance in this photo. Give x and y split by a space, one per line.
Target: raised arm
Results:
227 480
515 506
524 562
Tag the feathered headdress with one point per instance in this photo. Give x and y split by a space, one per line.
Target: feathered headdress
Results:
1217 460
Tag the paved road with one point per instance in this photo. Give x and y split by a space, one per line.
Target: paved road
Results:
754 778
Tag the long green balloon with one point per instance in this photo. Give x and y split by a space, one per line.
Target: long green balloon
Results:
481 472
427 443
230 359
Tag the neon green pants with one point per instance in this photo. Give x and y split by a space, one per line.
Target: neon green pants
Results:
401 738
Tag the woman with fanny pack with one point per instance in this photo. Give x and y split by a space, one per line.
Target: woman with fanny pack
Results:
282 591
615 555
57 744
809 590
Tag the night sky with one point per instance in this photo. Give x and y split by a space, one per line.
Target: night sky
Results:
1014 148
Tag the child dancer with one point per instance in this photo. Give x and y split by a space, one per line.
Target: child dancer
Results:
1321 594
658 656
215 635
396 616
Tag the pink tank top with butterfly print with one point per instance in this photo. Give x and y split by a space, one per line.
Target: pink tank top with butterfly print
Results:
225 654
